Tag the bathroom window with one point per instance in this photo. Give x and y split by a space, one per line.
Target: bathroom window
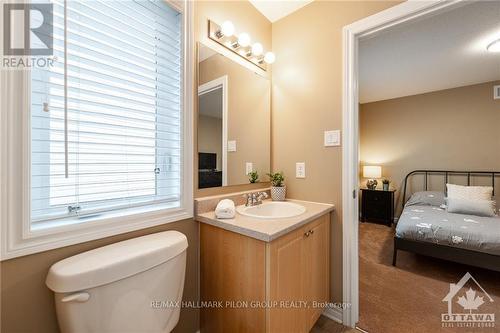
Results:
107 130
106 119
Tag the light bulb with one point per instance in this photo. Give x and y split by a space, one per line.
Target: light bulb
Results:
227 28
257 49
494 46
244 39
269 57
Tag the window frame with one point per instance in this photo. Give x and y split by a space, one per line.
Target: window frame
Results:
17 237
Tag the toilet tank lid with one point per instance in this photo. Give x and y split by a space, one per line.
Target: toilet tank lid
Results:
115 261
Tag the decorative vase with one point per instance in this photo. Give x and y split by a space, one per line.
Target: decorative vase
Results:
371 184
278 193
386 186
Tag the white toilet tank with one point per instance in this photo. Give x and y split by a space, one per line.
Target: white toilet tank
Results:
131 286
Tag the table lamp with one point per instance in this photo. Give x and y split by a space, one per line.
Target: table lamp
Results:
372 172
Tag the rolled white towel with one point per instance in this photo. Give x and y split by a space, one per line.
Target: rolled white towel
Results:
225 209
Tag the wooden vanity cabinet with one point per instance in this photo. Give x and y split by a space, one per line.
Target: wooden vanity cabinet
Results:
288 270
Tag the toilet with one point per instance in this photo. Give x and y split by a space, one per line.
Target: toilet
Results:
132 286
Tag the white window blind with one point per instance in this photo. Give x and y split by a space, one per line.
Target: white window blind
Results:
106 118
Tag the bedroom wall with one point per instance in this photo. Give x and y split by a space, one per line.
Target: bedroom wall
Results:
307 100
453 129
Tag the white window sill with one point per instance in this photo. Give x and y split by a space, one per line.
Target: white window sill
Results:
44 239
98 218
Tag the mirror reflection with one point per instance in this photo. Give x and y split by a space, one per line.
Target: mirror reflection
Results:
234 122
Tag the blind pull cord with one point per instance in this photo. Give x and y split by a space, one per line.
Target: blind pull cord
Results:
66 172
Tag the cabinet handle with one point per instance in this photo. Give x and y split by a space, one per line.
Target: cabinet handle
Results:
309 233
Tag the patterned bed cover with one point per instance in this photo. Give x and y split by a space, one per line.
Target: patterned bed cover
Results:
435 225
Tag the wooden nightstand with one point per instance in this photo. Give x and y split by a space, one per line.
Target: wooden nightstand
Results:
377 206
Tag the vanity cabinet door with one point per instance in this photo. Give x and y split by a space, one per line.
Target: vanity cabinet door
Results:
286 266
317 263
233 269
299 270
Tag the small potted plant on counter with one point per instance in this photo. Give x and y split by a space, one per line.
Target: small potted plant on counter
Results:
253 176
278 188
385 184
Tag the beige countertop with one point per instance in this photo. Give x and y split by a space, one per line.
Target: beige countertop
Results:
267 230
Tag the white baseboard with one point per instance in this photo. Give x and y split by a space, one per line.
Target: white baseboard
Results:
334 314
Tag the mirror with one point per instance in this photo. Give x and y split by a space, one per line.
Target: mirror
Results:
234 121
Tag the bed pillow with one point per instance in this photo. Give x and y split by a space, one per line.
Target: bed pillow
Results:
426 198
469 192
471 207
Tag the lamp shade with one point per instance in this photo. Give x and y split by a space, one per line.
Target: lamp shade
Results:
372 171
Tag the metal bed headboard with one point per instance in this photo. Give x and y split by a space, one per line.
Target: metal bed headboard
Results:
446 174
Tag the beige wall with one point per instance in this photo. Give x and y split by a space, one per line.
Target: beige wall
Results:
210 137
307 97
249 116
245 18
454 129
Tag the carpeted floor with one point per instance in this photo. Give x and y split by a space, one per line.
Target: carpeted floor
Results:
409 297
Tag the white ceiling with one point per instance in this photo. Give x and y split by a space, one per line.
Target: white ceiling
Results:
274 10
443 51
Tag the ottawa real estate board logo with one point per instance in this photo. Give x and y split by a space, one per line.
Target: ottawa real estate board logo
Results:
27 35
464 305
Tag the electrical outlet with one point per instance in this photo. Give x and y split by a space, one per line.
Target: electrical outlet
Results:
248 168
332 138
300 170
231 146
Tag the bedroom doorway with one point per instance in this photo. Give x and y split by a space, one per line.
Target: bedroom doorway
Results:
212 133
400 15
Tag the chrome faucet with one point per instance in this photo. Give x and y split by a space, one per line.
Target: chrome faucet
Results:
254 199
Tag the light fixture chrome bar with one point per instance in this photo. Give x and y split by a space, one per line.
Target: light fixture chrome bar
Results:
231 43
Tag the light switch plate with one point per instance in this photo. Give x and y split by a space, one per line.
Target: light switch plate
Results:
248 168
231 146
332 138
300 170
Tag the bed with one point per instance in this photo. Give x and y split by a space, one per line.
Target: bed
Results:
425 227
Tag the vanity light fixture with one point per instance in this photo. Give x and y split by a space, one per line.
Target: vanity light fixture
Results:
226 30
494 46
269 57
240 44
257 49
244 39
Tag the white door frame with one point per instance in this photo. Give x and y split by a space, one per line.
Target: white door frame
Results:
205 88
398 14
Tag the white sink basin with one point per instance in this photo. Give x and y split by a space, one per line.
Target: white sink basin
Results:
272 210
